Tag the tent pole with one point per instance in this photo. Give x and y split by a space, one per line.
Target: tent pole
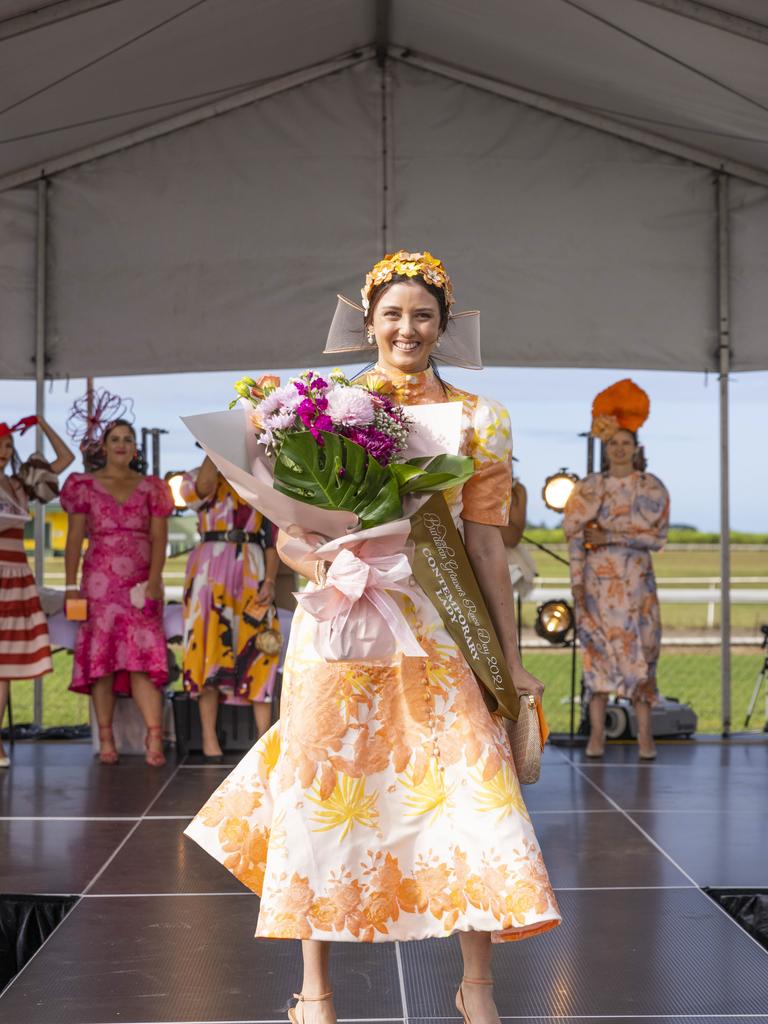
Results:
383 21
40 325
724 348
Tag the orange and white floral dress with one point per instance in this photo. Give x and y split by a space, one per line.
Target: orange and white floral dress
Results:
384 804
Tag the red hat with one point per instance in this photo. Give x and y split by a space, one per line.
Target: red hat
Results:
20 428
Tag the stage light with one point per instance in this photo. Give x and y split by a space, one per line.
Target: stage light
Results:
554 621
557 489
173 479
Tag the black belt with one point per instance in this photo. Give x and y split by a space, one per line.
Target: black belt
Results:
233 536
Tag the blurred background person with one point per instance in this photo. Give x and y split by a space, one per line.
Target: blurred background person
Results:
522 568
121 647
613 520
25 651
232 636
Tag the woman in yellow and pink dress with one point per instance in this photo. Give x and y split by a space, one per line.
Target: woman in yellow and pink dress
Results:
231 632
613 521
384 804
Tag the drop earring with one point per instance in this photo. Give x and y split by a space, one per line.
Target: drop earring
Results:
371 336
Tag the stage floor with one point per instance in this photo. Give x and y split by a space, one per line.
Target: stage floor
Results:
161 933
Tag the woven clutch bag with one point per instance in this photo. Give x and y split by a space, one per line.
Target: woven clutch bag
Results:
525 740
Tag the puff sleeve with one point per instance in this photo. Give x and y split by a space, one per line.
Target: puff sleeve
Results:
160 499
76 494
582 509
189 492
649 519
486 496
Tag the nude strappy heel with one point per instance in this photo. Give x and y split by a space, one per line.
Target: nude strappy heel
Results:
292 1015
154 758
460 995
105 736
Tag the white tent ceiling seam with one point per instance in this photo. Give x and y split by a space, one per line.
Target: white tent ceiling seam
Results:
571 112
36 16
551 105
178 122
710 15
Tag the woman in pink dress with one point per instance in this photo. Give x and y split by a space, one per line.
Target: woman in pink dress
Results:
121 647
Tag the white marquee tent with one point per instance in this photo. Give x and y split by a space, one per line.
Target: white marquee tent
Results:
186 185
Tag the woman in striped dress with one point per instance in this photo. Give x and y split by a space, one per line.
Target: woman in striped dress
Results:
25 652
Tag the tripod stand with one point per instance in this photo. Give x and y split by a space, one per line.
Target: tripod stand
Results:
761 679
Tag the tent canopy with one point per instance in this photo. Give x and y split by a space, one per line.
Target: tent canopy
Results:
219 170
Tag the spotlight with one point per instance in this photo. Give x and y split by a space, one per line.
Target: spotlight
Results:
554 621
557 489
174 479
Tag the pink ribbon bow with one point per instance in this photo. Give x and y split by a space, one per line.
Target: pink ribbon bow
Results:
355 616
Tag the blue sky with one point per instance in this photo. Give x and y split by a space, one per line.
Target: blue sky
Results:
549 408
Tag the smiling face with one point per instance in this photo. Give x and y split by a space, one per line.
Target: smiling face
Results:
119 446
620 451
406 323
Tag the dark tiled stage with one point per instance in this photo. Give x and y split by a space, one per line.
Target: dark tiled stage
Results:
163 934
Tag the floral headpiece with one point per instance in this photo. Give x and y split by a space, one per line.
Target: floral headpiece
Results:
622 406
408 264
88 427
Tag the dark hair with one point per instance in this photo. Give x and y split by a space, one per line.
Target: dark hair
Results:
639 461
117 423
94 457
381 289
378 292
15 461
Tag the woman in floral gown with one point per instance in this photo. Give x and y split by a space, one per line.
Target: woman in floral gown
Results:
613 520
229 605
121 647
384 804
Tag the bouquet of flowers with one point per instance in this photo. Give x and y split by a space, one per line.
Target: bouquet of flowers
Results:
338 445
327 460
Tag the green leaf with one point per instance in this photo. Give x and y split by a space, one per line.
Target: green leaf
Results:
310 472
436 474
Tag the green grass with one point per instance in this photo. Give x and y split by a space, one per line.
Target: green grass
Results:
675 536
691 676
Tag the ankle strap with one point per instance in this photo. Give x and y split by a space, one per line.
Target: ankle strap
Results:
477 981
311 999
105 729
154 728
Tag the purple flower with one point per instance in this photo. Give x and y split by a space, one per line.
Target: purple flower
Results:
377 444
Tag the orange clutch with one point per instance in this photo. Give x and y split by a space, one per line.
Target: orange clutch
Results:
76 609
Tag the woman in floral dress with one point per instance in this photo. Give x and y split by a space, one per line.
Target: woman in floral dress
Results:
384 804
121 647
613 520
229 605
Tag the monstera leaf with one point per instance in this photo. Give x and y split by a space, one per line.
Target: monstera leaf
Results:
337 474
433 473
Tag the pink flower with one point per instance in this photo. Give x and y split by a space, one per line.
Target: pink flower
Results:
351 407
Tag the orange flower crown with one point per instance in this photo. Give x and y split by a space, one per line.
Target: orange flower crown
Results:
408 264
622 406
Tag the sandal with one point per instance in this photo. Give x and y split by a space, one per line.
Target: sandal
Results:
292 1015
460 995
154 758
105 736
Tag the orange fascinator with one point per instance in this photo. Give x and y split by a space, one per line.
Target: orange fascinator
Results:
622 406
